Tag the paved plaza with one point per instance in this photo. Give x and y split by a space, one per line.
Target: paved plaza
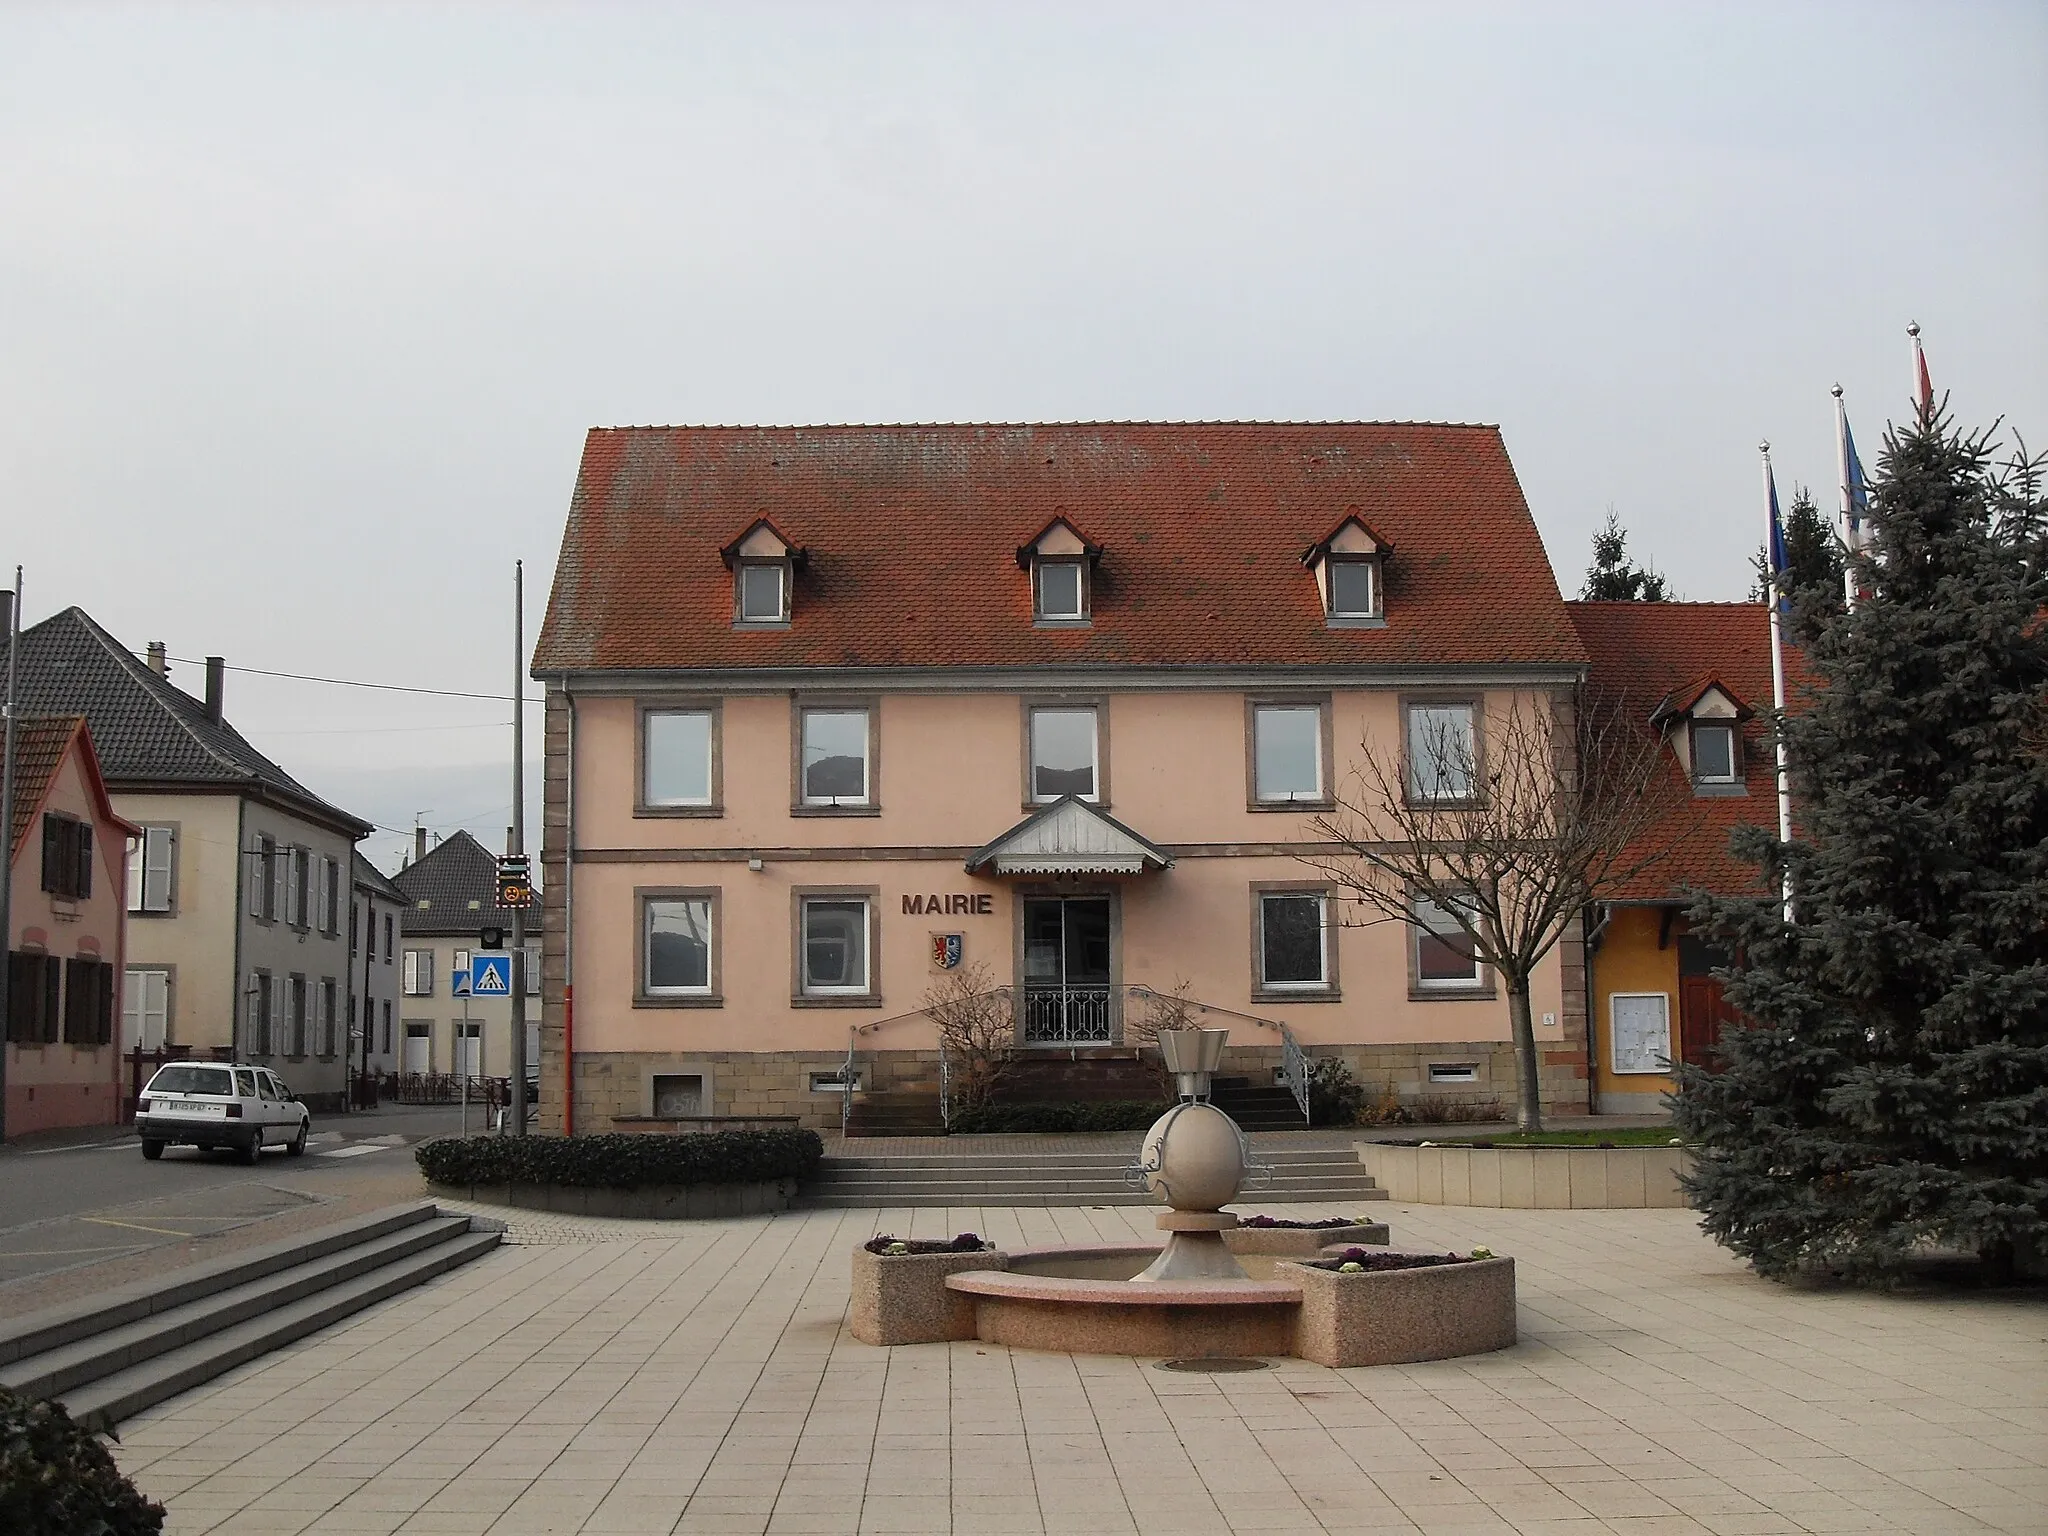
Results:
613 1377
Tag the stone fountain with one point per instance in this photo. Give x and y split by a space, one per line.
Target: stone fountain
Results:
1191 1298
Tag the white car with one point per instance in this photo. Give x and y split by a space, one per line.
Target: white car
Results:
210 1104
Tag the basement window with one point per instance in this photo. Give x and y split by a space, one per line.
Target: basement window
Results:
1454 1071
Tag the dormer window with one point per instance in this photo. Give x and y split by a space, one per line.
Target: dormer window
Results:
1702 722
1713 753
1062 566
764 566
1347 568
764 592
1354 593
1060 585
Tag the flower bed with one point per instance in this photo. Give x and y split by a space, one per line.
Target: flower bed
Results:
722 1173
1274 1223
1353 1261
901 1247
901 1298
1434 1307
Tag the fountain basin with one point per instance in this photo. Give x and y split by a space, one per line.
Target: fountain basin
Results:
1083 1301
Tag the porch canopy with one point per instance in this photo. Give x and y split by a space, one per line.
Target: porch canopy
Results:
1068 837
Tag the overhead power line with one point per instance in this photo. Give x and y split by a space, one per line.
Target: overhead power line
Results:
350 682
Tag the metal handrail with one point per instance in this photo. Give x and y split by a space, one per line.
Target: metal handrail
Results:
1293 1059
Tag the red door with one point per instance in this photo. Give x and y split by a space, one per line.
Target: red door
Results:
1702 1014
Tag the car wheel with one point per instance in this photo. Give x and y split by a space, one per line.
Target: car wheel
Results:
252 1149
152 1150
296 1147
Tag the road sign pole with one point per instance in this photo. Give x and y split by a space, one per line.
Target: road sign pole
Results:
518 1054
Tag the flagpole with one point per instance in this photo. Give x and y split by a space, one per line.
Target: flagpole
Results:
1774 544
1850 539
1923 386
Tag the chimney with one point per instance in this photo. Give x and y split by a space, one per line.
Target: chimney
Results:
216 685
157 663
419 844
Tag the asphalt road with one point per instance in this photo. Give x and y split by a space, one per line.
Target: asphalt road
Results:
62 1206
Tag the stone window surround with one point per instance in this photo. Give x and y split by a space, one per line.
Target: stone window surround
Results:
1330 991
678 704
871 704
1253 703
1408 702
715 998
872 997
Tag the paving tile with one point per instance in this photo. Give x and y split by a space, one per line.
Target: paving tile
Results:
616 1379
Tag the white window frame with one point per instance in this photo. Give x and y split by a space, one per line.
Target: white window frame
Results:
1322 981
1734 773
1417 931
865 713
1413 757
1614 1038
648 797
1094 714
1040 612
647 906
1371 566
865 987
155 852
1284 797
782 574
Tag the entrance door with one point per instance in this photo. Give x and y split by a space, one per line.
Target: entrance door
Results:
419 1049
1067 997
1702 1014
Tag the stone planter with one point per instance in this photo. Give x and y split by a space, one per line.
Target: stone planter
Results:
1302 1242
1397 1317
652 1202
902 1298
1529 1178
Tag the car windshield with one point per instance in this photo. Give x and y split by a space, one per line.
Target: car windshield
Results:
192 1080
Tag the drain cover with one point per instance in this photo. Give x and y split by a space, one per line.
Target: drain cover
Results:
1215 1365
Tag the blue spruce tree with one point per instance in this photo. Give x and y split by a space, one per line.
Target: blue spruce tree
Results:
1891 1093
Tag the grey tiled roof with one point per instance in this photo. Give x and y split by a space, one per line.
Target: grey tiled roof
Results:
147 731
440 889
372 879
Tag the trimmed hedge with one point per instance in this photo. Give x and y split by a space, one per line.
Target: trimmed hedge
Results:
623 1161
1110 1115
58 1480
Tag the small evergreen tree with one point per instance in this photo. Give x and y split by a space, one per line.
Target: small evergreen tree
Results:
1813 565
1891 1091
1614 577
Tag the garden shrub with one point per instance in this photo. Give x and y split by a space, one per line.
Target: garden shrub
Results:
1334 1096
1108 1115
623 1161
57 1479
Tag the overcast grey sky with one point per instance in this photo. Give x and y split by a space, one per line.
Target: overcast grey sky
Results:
304 310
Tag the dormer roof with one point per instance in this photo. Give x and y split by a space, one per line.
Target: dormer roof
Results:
762 541
1353 536
1068 837
1705 697
1058 539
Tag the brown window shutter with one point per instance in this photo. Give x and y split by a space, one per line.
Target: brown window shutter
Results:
24 994
53 855
103 998
53 997
82 888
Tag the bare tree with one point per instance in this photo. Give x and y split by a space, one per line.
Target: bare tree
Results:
1509 823
977 1028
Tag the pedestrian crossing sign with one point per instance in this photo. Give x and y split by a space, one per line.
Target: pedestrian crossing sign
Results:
490 975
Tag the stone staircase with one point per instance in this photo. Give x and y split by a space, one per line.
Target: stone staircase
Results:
110 1356
1269 1108
905 1112
955 1176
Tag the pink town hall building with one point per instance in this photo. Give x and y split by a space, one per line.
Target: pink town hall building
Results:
831 711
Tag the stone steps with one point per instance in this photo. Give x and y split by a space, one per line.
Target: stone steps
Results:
113 1355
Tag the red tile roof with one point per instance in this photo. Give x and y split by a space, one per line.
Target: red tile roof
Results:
1648 653
912 533
40 745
